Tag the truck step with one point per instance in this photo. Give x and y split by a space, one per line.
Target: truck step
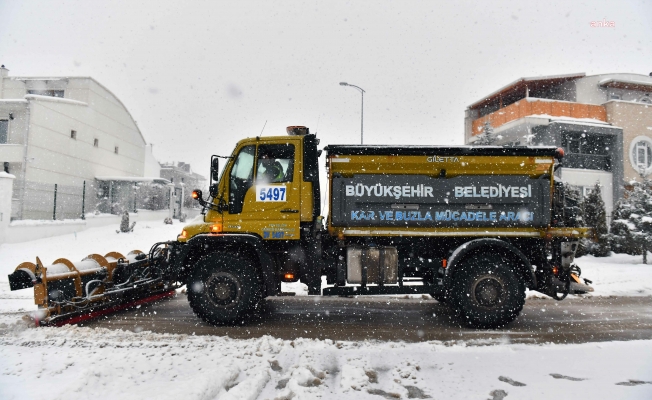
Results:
372 290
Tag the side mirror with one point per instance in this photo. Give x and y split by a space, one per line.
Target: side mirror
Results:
215 169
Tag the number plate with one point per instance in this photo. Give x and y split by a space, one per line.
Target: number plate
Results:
271 193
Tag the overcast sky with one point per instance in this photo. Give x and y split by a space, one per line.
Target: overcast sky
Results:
198 76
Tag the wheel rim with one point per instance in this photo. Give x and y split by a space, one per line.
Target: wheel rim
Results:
223 289
488 291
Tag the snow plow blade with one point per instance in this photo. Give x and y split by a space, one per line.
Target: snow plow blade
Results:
577 287
70 292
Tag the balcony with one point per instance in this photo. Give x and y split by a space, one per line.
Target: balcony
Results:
11 152
544 107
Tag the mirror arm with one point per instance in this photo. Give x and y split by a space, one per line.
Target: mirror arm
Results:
197 195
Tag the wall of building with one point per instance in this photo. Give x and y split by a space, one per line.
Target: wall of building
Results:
6 183
589 89
55 157
4 72
636 120
152 167
70 160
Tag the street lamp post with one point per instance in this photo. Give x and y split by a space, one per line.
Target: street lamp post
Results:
361 110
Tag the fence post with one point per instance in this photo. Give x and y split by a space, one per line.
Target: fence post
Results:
84 202
54 212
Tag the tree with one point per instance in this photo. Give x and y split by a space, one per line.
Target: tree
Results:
486 138
631 225
595 216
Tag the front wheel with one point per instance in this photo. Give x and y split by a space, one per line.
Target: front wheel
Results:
224 289
487 291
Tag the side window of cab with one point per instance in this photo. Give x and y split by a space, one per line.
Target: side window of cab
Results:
275 163
241 178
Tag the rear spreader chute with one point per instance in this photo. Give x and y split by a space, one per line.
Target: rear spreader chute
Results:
70 292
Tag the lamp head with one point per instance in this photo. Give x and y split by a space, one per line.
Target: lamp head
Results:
344 84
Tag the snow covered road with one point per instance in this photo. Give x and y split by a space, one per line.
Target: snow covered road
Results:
412 320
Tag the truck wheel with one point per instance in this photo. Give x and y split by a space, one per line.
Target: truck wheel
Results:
224 289
487 291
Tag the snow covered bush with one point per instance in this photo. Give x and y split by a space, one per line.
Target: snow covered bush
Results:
631 225
486 138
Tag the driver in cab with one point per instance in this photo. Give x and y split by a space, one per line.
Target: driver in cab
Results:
272 171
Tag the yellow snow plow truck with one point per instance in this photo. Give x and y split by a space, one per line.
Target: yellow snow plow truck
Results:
471 226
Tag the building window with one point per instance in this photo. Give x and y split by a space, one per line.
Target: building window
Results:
586 143
587 150
96 142
574 146
51 93
640 154
4 130
615 97
116 150
73 135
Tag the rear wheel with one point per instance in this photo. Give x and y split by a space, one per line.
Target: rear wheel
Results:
487 291
224 289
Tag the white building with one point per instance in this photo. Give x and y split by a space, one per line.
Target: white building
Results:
73 132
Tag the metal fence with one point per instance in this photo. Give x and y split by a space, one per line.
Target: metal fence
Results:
49 201
52 201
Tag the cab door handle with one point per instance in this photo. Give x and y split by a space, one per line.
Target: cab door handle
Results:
288 210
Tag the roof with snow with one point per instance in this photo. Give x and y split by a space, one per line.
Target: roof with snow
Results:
66 79
632 84
520 85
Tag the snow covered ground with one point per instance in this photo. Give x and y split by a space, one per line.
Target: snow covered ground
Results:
82 363
74 362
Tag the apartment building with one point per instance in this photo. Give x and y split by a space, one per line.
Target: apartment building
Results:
603 123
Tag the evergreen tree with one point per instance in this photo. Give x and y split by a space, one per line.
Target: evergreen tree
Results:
595 216
486 138
631 225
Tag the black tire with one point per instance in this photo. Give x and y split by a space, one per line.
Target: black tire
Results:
487 291
224 289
